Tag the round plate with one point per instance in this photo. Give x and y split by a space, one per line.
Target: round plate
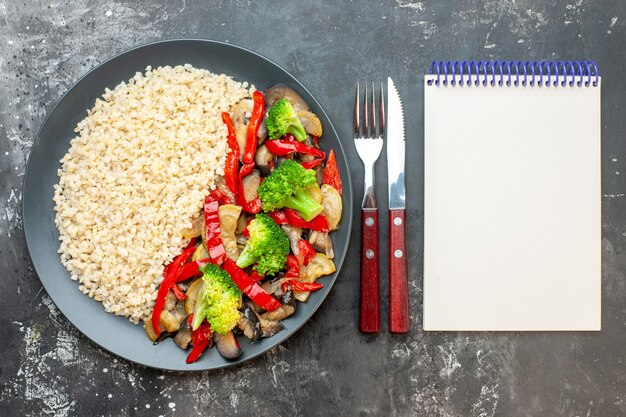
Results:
117 334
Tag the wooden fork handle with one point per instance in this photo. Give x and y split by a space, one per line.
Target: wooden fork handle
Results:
370 287
398 274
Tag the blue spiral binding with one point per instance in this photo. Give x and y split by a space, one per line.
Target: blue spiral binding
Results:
532 73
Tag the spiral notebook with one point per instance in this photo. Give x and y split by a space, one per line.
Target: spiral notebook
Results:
512 196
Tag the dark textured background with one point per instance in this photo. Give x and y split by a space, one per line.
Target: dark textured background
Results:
328 368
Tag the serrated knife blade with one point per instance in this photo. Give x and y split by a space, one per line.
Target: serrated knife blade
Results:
398 269
395 147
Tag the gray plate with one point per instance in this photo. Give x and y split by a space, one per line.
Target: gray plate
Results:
116 334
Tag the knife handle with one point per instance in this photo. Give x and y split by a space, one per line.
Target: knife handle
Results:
398 274
370 286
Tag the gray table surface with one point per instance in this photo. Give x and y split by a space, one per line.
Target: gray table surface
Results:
328 367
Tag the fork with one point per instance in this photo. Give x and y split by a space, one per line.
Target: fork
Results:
368 141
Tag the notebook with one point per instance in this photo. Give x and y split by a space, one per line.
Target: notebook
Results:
512 234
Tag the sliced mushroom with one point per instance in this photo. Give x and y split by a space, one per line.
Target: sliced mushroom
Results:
229 216
269 328
273 286
263 159
240 114
333 206
319 265
262 132
250 184
310 122
220 183
282 312
322 242
278 91
227 345
249 324
183 336
294 234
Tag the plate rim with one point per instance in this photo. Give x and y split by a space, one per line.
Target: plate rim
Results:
347 211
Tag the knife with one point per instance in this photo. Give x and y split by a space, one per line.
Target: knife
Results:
398 277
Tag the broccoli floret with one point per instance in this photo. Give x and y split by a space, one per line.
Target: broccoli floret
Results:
282 119
268 246
286 187
218 301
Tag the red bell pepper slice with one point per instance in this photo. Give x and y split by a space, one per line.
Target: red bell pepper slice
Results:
249 287
172 273
191 269
178 293
331 173
253 127
293 267
318 223
254 206
212 228
282 147
312 164
199 339
255 276
306 250
301 286
232 158
279 217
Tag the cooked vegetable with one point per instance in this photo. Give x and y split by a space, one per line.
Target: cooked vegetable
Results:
213 238
199 253
253 127
331 173
201 339
264 160
284 311
227 345
286 187
250 184
254 206
278 91
319 222
268 246
229 215
333 206
192 295
322 243
196 228
282 147
250 287
184 335
319 266
218 301
249 324
306 251
282 119
232 158
310 122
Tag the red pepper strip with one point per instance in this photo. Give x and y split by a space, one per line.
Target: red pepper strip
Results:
212 224
178 293
331 173
279 217
318 223
282 147
246 232
254 206
199 339
306 250
255 276
232 158
191 269
168 281
293 265
253 127
301 286
249 287
312 164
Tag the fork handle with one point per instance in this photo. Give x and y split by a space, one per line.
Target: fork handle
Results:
398 276
370 286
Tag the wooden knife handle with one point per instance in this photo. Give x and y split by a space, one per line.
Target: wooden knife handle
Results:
370 286
398 274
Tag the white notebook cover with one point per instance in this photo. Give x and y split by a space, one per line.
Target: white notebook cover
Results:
512 234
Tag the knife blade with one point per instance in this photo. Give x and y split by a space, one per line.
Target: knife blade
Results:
398 271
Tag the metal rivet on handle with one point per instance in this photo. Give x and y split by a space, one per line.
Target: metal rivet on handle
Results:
397 253
369 221
397 221
369 253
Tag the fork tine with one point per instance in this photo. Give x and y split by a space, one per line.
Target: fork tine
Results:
366 125
381 109
357 113
373 110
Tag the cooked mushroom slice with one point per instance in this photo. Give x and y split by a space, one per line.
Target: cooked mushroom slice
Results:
249 324
269 328
319 265
227 345
240 114
321 242
263 159
333 206
310 122
278 91
170 320
288 298
192 295
250 184
220 183
282 312
262 132
183 336
294 234
229 216
273 286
